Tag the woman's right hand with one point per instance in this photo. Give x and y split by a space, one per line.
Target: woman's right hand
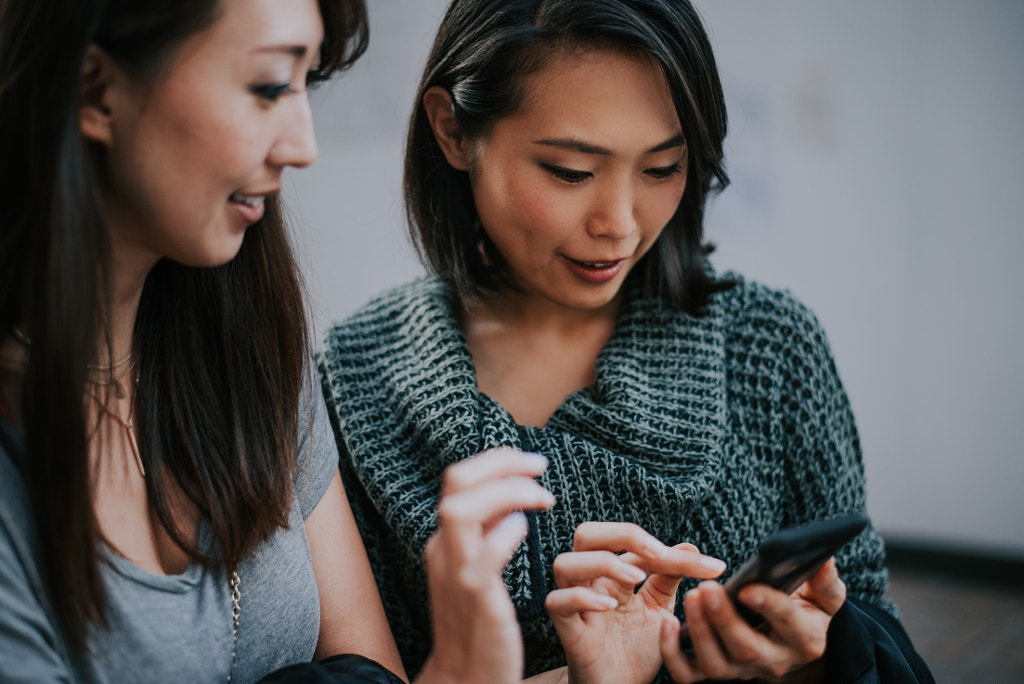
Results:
480 525
610 632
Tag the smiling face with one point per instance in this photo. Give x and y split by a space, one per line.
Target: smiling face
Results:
575 187
190 156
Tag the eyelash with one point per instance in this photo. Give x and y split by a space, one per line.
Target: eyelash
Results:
573 176
663 172
272 91
567 175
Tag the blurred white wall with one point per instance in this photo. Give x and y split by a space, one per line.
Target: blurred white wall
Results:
878 168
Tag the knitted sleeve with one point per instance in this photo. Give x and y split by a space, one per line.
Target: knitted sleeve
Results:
824 466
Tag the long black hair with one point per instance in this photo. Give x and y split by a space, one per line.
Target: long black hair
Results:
483 53
221 352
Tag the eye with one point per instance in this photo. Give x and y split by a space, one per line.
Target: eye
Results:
663 172
314 78
567 175
271 91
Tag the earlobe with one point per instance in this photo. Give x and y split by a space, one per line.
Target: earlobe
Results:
94 112
437 102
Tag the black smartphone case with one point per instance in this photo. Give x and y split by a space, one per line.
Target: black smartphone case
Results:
788 558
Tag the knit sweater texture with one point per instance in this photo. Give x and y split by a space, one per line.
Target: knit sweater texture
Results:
717 430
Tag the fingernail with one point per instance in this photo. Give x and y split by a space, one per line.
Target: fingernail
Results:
608 602
693 607
518 521
539 459
634 574
710 596
712 563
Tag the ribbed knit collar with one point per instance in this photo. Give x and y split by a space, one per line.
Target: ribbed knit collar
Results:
655 350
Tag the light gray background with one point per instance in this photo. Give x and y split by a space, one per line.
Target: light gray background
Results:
877 155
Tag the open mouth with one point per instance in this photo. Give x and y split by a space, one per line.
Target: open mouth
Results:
598 264
596 271
248 200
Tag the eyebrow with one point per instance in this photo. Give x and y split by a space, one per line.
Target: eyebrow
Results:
298 51
574 145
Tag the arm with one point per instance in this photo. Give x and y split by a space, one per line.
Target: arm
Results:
476 635
352 618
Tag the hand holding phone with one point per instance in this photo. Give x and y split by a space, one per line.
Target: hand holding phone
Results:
787 559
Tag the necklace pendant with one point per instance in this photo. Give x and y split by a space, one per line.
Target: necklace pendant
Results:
129 427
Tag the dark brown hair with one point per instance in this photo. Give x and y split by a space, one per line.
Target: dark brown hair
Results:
221 352
483 54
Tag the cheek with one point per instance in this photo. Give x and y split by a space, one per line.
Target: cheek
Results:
660 206
213 136
519 210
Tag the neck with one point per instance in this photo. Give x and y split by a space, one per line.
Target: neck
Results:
130 269
521 311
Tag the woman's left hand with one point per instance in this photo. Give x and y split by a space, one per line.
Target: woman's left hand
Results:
726 647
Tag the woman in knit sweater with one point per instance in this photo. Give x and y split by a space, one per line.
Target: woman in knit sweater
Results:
170 504
558 162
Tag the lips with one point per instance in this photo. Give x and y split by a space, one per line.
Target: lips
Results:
595 271
249 207
248 200
598 264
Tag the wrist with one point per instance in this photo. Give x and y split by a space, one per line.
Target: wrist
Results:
432 673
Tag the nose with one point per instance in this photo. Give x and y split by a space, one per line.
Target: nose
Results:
612 214
296 142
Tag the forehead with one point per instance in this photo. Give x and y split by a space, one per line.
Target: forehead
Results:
599 93
248 25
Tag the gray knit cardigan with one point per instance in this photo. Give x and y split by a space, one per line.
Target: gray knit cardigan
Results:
716 430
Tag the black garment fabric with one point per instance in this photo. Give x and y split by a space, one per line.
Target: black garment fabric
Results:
347 668
866 645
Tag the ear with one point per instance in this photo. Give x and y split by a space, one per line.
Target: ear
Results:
437 102
99 75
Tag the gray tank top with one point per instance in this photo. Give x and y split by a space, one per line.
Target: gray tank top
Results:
168 628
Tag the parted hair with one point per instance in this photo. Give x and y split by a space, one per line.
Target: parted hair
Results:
221 353
484 53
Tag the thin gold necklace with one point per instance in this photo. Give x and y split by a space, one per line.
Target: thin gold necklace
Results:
115 381
129 430
27 341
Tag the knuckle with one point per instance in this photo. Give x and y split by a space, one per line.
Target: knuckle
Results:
561 562
633 533
745 654
447 513
430 550
453 479
812 649
717 670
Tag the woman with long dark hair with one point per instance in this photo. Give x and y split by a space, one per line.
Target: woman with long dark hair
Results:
559 157
170 506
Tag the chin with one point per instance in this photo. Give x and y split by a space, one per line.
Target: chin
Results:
594 302
213 258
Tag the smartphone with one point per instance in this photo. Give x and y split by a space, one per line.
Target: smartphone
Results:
787 559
